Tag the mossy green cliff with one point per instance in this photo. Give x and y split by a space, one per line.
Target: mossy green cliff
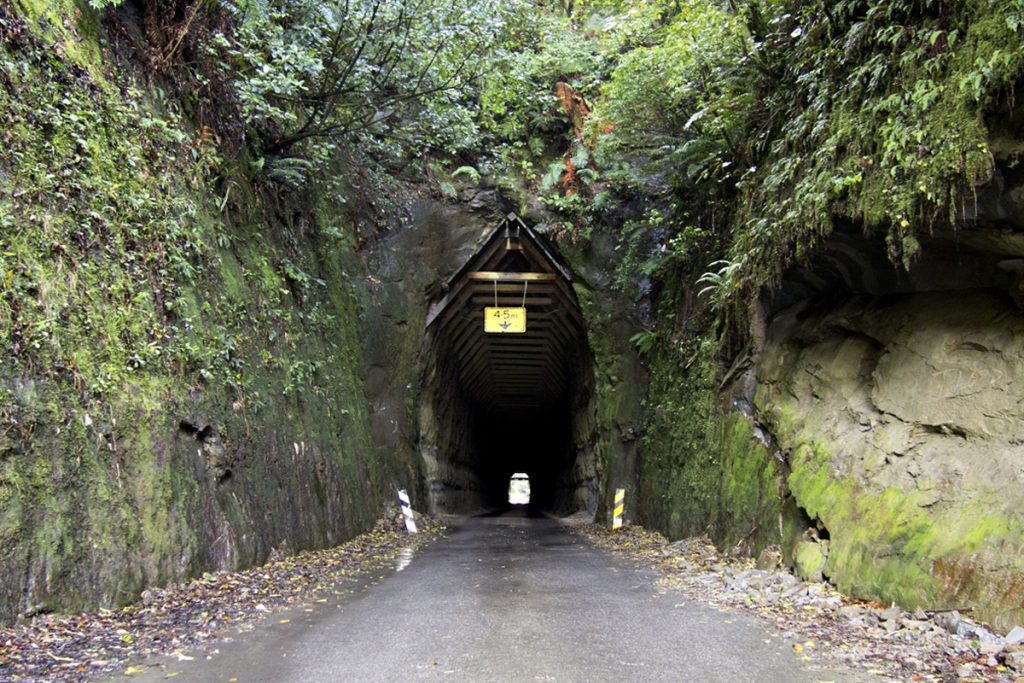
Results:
182 386
900 437
704 470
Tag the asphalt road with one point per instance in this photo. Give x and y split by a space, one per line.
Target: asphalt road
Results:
502 598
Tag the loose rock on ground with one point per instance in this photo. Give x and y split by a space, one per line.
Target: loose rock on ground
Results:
826 628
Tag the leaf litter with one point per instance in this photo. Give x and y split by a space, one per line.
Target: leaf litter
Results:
178 618
827 629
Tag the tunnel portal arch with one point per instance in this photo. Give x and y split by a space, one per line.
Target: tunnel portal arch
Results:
496 403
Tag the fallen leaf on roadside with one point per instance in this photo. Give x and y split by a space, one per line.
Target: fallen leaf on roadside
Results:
172 619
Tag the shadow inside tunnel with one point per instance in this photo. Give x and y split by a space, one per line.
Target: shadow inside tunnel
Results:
509 510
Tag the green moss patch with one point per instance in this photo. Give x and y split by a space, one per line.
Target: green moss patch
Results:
181 386
703 471
885 545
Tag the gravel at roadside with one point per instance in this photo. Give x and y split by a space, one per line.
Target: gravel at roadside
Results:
824 626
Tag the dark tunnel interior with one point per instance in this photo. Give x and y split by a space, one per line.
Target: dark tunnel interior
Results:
495 403
538 443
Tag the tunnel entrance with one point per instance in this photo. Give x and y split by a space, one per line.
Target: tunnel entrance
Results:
507 390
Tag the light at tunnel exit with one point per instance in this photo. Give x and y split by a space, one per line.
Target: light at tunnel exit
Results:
519 489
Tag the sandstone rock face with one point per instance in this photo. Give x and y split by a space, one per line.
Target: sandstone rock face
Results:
406 265
899 406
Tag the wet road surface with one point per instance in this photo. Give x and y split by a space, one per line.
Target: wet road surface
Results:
508 597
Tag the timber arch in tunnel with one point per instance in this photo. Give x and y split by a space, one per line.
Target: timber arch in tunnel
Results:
499 402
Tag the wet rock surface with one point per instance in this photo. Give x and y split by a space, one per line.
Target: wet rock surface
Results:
827 628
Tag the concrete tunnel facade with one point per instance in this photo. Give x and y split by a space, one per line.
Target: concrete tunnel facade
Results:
496 403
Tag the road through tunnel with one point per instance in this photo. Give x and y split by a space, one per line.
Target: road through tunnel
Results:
508 381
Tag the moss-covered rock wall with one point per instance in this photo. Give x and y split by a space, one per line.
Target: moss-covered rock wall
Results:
182 384
863 325
705 466
870 425
900 417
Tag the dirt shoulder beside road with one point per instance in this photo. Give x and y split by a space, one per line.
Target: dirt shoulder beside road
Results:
182 618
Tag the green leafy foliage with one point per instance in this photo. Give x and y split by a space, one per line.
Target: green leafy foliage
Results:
644 340
469 172
882 121
767 120
311 75
719 284
517 94
745 127
106 246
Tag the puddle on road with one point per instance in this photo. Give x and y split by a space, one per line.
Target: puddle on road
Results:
405 556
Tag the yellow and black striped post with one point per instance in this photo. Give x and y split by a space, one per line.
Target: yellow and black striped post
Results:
620 506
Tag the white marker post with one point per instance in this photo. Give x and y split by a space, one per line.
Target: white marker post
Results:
410 521
620 507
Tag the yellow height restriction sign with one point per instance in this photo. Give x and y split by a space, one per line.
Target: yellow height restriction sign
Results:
504 320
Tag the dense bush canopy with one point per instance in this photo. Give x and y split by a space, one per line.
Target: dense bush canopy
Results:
737 132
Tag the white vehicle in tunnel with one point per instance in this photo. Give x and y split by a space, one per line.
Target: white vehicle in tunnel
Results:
519 489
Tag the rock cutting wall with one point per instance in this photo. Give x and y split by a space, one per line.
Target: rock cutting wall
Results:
902 421
416 410
896 397
873 427
182 383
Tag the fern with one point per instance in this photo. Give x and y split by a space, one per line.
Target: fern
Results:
721 283
474 175
290 171
644 340
553 175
